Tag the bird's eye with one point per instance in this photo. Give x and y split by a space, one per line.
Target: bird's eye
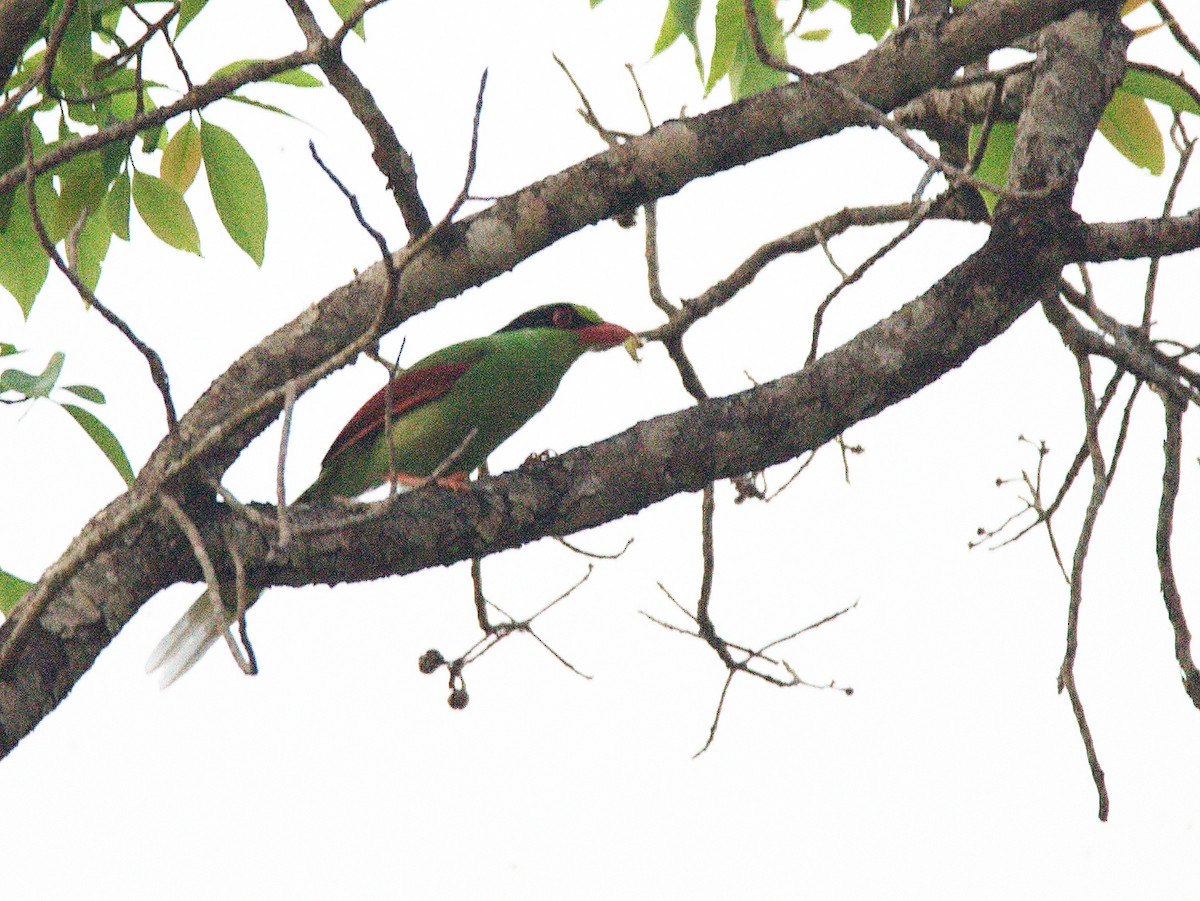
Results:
561 318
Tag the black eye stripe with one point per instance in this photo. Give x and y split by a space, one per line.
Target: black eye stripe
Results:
553 315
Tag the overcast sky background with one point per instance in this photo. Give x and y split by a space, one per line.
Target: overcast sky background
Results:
955 770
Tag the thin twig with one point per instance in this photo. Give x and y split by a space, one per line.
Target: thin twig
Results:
919 216
1177 30
1172 454
955 176
593 554
1152 276
289 401
158 373
246 661
1066 676
389 155
801 240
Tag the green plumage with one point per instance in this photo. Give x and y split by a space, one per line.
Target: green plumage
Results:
510 377
448 412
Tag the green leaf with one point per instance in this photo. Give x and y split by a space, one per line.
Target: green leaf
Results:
23 262
1129 126
87 392
731 25
104 439
165 211
113 158
181 157
295 77
1155 84
993 167
12 590
748 76
12 152
82 188
116 206
188 10
92 248
237 189
680 19
345 9
109 18
270 108
817 34
73 64
873 17
152 136
595 3
733 50
7 350
33 385
123 85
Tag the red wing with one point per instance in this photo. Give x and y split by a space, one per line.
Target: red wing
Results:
409 390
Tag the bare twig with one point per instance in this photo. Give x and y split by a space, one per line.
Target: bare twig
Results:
799 241
652 270
495 633
594 554
1177 30
1066 676
704 622
135 49
1172 454
610 137
247 662
919 215
389 154
1185 157
289 401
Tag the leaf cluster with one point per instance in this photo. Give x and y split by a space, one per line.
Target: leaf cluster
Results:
83 71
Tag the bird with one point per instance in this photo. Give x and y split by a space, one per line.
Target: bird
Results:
445 414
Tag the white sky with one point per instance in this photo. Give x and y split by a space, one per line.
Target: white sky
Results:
954 771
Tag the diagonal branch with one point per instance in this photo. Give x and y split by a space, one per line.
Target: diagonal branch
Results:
389 154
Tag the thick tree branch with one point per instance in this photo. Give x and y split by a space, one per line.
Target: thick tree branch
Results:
1137 239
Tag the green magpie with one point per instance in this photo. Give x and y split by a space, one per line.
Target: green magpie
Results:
446 413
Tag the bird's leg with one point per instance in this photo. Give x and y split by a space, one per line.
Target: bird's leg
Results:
455 481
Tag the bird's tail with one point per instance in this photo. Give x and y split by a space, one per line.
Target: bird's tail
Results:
195 632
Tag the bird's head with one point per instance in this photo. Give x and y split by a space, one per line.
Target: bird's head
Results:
592 332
